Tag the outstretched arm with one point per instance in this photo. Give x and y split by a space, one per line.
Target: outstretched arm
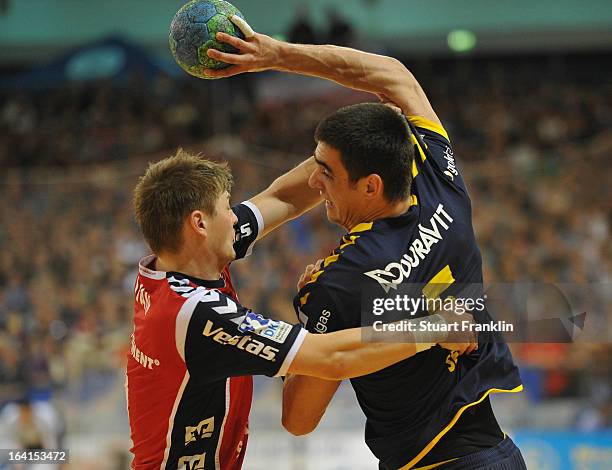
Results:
342 354
384 76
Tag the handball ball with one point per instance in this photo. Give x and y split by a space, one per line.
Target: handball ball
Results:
194 30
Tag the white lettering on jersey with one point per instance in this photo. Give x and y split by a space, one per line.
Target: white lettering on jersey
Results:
394 273
245 343
451 168
245 230
142 296
321 325
142 358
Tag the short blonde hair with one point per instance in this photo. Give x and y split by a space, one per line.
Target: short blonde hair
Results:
173 188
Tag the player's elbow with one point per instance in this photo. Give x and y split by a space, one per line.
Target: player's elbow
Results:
336 366
298 427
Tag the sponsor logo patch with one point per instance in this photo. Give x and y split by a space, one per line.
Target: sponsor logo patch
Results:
192 462
394 273
272 329
204 429
246 343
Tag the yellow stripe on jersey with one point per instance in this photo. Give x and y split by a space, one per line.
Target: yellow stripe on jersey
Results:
436 465
439 283
346 241
413 200
416 142
415 170
423 123
435 440
304 299
330 259
362 227
314 276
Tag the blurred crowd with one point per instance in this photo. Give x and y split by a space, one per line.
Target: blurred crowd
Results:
534 152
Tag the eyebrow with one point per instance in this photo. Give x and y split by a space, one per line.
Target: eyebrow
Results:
323 164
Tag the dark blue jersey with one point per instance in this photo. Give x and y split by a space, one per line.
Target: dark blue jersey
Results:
411 405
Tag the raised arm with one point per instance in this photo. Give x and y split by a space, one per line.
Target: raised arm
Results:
287 197
384 76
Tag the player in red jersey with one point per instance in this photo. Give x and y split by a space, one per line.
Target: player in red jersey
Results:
194 347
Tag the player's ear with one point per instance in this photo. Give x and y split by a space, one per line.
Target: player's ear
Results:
373 185
197 222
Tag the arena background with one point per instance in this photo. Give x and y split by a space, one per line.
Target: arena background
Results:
89 95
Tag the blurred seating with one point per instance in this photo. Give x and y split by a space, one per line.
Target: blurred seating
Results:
536 159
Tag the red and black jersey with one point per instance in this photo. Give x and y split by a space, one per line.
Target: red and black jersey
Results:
194 349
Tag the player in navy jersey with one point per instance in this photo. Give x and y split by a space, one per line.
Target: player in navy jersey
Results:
391 180
194 346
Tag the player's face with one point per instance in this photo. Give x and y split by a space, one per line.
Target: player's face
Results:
221 232
343 202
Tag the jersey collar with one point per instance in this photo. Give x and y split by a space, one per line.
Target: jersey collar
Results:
208 283
144 267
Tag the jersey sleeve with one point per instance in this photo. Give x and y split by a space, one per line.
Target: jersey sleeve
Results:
437 155
218 338
317 309
250 224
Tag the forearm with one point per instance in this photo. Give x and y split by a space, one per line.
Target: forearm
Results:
305 400
384 76
292 188
344 354
287 197
348 67
352 357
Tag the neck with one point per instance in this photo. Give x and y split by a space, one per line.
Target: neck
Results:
195 267
381 212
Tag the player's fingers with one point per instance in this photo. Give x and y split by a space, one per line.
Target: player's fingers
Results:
225 57
309 270
223 73
300 283
243 26
318 265
232 41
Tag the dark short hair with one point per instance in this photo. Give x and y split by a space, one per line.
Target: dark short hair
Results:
173 188
372 138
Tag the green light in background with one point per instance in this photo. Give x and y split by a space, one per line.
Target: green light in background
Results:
461 40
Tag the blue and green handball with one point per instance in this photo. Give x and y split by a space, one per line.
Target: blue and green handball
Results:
194 30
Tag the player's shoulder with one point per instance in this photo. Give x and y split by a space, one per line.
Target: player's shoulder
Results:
178 290
342 272
429 129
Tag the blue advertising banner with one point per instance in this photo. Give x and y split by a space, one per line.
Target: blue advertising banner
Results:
557 450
